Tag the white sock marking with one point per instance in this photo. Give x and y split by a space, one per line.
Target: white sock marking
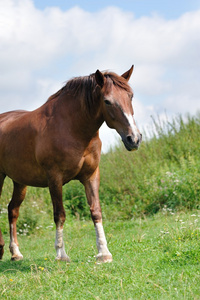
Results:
14 249
59 246
101 241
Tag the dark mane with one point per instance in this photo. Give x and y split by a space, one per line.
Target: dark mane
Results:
86 88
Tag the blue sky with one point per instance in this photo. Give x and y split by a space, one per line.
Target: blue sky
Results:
167 8
43 43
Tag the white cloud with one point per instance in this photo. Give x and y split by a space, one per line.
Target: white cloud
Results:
39 50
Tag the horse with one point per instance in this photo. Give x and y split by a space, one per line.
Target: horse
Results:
59 142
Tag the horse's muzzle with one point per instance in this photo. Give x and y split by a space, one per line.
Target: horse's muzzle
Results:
132 142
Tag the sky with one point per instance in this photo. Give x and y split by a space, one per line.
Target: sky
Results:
44 43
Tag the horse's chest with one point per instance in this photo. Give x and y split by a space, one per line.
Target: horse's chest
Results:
72 162
80 169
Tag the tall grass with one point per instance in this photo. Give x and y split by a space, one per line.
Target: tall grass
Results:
164 172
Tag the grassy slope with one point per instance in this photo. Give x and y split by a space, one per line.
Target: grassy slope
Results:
154 258
165 171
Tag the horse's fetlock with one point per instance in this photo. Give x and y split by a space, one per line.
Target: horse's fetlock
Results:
96 215
59 219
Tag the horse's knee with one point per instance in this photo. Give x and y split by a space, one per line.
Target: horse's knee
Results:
13 212
18 196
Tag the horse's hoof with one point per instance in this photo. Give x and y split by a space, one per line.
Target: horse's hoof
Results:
16 257
104 258
63 258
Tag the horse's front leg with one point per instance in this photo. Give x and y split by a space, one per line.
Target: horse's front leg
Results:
55 188
92 193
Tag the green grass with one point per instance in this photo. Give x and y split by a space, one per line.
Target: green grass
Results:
154 258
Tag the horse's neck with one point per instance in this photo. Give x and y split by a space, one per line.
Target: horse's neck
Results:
89 123
69 113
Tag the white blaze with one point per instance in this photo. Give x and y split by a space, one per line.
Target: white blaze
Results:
131 122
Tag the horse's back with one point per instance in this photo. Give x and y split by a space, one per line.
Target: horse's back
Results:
11 125
10 117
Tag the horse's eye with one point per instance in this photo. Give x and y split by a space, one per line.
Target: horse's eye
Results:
107 102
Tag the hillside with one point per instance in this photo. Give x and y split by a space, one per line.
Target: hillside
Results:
165 172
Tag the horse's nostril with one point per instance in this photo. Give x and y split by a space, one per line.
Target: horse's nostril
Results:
134 141
129 139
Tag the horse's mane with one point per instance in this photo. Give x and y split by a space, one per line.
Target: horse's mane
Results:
86 88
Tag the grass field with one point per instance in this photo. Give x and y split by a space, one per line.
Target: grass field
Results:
154 258
151 209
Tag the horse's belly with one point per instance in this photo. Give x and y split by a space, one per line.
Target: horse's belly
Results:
34 174
31 176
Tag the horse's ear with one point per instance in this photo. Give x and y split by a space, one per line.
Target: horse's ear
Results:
99 78
128 73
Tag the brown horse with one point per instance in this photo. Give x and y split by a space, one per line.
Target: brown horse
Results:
59 142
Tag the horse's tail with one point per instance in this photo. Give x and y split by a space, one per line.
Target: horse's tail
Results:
1 245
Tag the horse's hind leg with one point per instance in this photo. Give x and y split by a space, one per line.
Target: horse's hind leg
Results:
18 196
2 177
55 188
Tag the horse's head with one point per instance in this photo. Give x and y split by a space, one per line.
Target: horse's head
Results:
117 106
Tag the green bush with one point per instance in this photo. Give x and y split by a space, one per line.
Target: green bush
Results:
75 201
